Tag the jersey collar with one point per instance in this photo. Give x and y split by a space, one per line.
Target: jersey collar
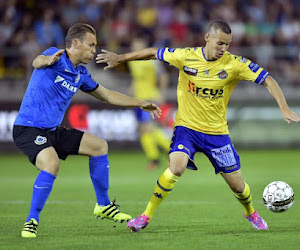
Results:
70 65
205 56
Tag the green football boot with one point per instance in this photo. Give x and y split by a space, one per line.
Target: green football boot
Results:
111 212
30 229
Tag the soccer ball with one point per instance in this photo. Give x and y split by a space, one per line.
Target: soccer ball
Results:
278 196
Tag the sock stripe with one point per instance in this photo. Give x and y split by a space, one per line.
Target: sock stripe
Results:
247 202
162 188
242 199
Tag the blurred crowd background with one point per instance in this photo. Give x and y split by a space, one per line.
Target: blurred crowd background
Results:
265 31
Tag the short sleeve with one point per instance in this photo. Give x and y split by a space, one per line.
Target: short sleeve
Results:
250 71
88 84
50 51
172 56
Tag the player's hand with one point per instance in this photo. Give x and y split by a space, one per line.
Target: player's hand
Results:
290 116
110 58
55 57
152 108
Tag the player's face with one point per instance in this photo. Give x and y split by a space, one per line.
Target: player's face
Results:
87 48
217 43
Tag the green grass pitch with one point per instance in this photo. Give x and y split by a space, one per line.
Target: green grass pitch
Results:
200 213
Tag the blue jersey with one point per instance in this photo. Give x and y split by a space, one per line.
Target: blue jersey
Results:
50 91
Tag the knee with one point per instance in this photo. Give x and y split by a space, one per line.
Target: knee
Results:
92 146
48 161
177 170
238 187
178 163
54 164
99 147
51 166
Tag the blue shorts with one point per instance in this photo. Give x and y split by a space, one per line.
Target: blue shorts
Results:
142 115
218 149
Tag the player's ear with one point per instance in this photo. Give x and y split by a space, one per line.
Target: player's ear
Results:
206 37
75 43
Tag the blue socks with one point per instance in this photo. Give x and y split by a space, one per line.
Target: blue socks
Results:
99 172
41 191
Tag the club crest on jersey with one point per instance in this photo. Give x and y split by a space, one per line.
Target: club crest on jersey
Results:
190 71
223 74
39 140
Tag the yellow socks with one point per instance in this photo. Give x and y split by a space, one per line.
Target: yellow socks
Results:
245 199
164 185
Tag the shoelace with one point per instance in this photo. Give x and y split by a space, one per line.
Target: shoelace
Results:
30 226
114 204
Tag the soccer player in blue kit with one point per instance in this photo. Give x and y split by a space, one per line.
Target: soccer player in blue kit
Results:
207 77
57 76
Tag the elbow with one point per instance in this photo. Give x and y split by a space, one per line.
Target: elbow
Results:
35 65
39 62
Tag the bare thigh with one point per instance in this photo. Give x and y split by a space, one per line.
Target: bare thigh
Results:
91 145
47 160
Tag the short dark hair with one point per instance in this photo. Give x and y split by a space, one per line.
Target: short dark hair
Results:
219 25
78 31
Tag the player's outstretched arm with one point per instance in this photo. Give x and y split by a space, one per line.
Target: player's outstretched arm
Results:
42 61
112 59
116 98
276 92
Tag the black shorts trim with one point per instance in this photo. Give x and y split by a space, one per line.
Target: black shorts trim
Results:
32 140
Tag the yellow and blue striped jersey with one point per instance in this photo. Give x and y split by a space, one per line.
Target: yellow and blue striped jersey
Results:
205 86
